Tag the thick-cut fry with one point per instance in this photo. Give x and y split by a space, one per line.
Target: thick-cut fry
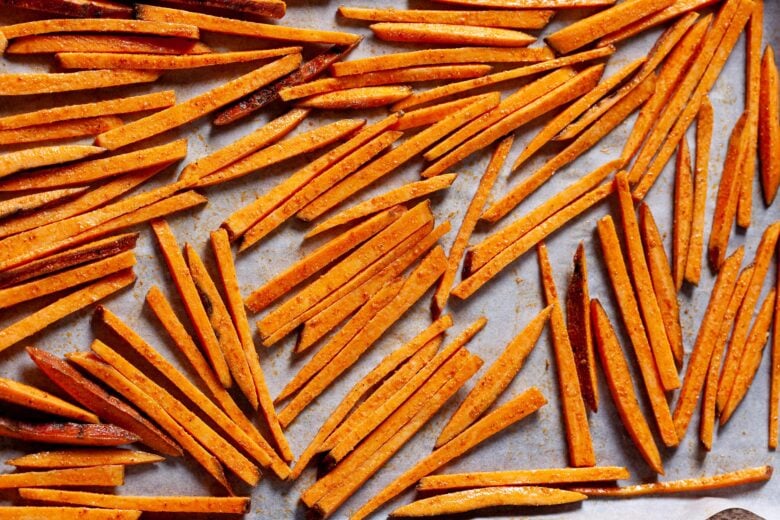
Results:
31 397
769 130
83 458
26 203
357 98
475 499
29 158
643 285
66 513
101 108
721 481
73 302
75 8
589 29
575 418
51 83
162 504
100 25
683 212
265 135
509 19
751 357
61 130
774 382
503 416
119 61
402 60
254 8
663 283
522 477
221 25
94 476
578 327
622 388
495 380
629 310
486 182
703 143
150 159
705 341
676 9
77 434
445 34
121 43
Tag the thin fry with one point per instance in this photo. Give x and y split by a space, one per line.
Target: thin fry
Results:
29 158
774 384
31 397
530 4
433 114
648 22
51 83
769 131
100 25
448 34
93 476
75 42
66 513
90 126
83 458
120 61
75 8
509 19
27 203
357 98
522 477
578 327
683 212
703 144
255 8
77 434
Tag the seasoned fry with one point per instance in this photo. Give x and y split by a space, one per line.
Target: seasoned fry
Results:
119 61
29 158
769 131
163 504
221 25
27 203
446 34
648 22
151 159
430 115
774 383
73 302
578 327
117 106
503 416
486 182
522 477
66 513
93 476
475 499
121 43
31 397
703 144
100 25
663 283
529 4
629 310
51 83
83 458
356 98
267 8
509 19
75 8
723 480
61 130
683 212
622 388
77 434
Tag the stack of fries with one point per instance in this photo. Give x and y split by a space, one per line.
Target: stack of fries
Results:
66 238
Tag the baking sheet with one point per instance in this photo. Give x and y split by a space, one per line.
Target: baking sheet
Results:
509 301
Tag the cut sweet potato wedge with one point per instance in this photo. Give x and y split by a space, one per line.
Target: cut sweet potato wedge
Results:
97 25
76 8
578 326
357 98
121 43
67 513
769 130
522 477
90 126
510 19
29 158
51 83
77 434
27 203
676 9
683 212
31 397
700 180
83 458
93 476
448 34
119 61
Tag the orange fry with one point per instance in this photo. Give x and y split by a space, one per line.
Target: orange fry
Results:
51 83
121 43
31 397
578 327
521 477
88 25
83 458
510 19
774 388
769 130
89 126
703 144
673 11
119 61
683 212
530 4
430 115
13 162
24 204
357 98
447 34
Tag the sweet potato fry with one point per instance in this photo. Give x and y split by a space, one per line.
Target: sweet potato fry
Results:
683 212
622 388
150 159
308 70
83 458
73 302
75 8
357 98
509 19
76 434
723 480
100 402
643 285
503 416
402 60
291 147
495 380
90 25
663 283
161 504
112 378
121 43
578 327
522 477
61 130
705 342
27 203
575 418
120 61
66 513
101 108
530 4
589 29
50 83
93 476
629 309
539 232
769 132
676 9
475 499
458 87
445 34
774 381
31 397
430 115
197 106
486 182
254 8
221 25
703 144
29 158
